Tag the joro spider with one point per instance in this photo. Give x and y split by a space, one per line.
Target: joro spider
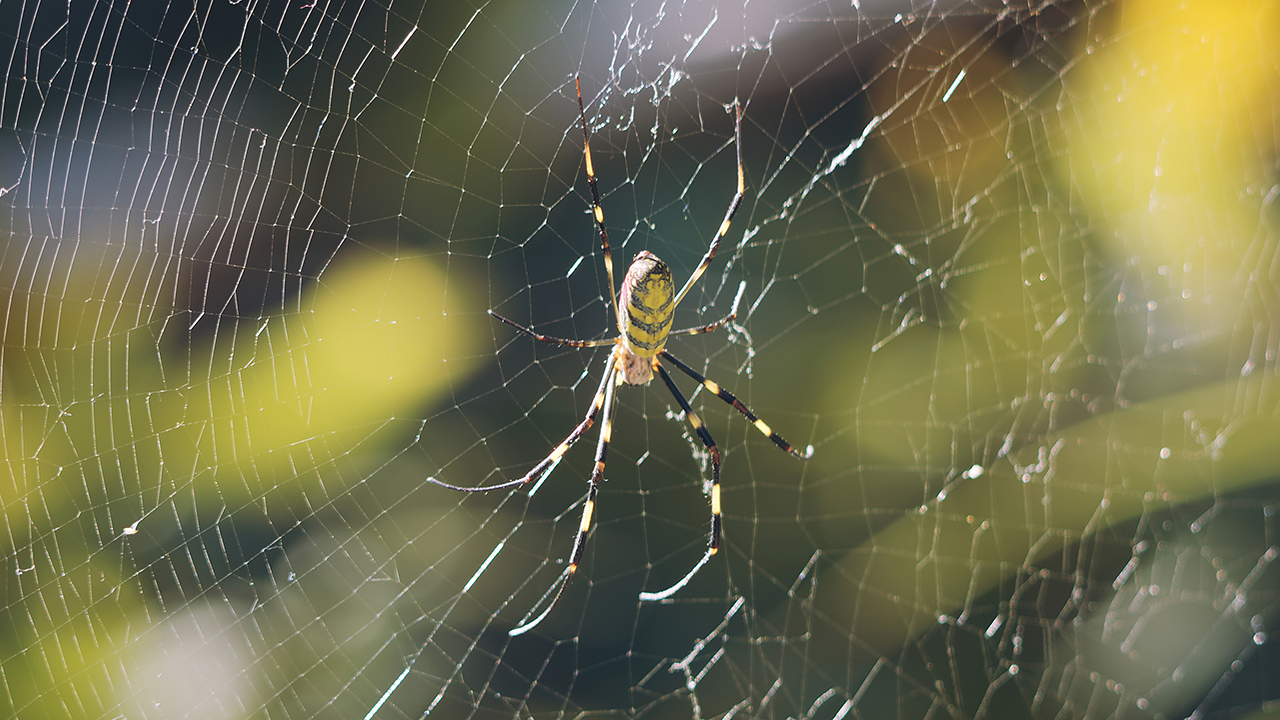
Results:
647 295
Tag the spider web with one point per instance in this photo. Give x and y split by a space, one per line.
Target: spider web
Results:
1010 269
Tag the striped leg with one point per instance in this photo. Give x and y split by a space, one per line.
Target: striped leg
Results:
733 314
596 211
589 507
710 327
728 397
713 544
728 216
606 388
555 340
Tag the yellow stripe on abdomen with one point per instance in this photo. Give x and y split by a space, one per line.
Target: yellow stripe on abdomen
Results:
647 301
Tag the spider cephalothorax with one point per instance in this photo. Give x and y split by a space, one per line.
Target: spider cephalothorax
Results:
644 310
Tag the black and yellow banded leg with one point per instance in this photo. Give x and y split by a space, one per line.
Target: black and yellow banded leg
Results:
728 397
597 211
598 402
710 444
597 475
559 451
734 204
710 327
555 340
713 543
589 507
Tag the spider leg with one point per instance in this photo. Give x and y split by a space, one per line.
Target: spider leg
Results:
597 212
605 388
728 216
588 508
733 314
554 340
559 590
710 327
728 397
713 544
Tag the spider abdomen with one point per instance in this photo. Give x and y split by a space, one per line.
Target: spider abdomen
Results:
647 301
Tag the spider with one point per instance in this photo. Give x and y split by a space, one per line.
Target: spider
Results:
644 310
